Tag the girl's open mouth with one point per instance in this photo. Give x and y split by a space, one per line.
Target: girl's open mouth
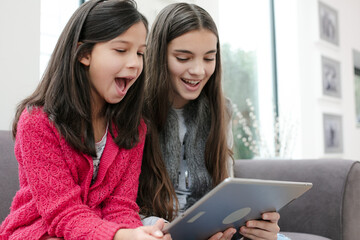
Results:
122 84
190 82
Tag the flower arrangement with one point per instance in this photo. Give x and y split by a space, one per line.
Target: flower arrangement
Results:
250 141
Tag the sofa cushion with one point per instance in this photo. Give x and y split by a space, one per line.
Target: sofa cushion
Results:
9 181
303 236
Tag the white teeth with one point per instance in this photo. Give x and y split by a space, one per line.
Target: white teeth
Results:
191 82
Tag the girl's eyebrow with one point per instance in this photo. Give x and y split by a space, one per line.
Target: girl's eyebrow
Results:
189 52
120 41
127 42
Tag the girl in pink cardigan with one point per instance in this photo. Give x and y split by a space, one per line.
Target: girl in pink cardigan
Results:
80 135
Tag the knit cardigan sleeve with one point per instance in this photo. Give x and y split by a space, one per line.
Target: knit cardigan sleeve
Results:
51 182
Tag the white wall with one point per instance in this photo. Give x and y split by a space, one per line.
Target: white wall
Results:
19 54
299 64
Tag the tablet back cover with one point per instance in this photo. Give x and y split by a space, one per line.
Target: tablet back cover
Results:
231 204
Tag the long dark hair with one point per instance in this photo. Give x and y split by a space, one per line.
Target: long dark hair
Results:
64 91
156 193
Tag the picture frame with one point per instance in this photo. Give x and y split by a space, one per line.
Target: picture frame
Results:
331 77
333 133
356 60
357 95
328 24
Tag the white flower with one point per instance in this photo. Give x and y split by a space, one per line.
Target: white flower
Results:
253 139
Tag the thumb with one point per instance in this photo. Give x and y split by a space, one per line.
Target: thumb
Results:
157 227
160 223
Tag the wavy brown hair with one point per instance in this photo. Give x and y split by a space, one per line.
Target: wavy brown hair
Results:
156 192
64 91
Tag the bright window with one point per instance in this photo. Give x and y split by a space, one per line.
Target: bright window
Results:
247 53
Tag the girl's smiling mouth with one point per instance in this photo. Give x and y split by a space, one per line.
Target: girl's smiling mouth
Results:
122 84
190 82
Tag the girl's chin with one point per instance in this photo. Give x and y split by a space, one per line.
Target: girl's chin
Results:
191 95
184 99
115 99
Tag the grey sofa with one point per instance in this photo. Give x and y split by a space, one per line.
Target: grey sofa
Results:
330 210
9 182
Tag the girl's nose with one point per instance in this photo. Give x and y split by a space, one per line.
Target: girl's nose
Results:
197 68
134 60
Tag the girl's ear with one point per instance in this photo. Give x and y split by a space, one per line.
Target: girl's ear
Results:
84 58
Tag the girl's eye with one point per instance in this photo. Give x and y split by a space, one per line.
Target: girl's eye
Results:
140 54
120 50
182 59
209 59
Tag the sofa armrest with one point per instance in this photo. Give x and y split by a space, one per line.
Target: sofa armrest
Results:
331 208
9 181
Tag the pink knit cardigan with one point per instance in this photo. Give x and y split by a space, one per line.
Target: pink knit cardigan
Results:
55 195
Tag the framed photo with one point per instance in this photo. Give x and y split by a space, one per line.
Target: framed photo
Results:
329 27
357 95
356 60
333 135
331 77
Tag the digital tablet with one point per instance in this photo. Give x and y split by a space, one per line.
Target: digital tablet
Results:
231 203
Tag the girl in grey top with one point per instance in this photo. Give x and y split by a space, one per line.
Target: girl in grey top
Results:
187 149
